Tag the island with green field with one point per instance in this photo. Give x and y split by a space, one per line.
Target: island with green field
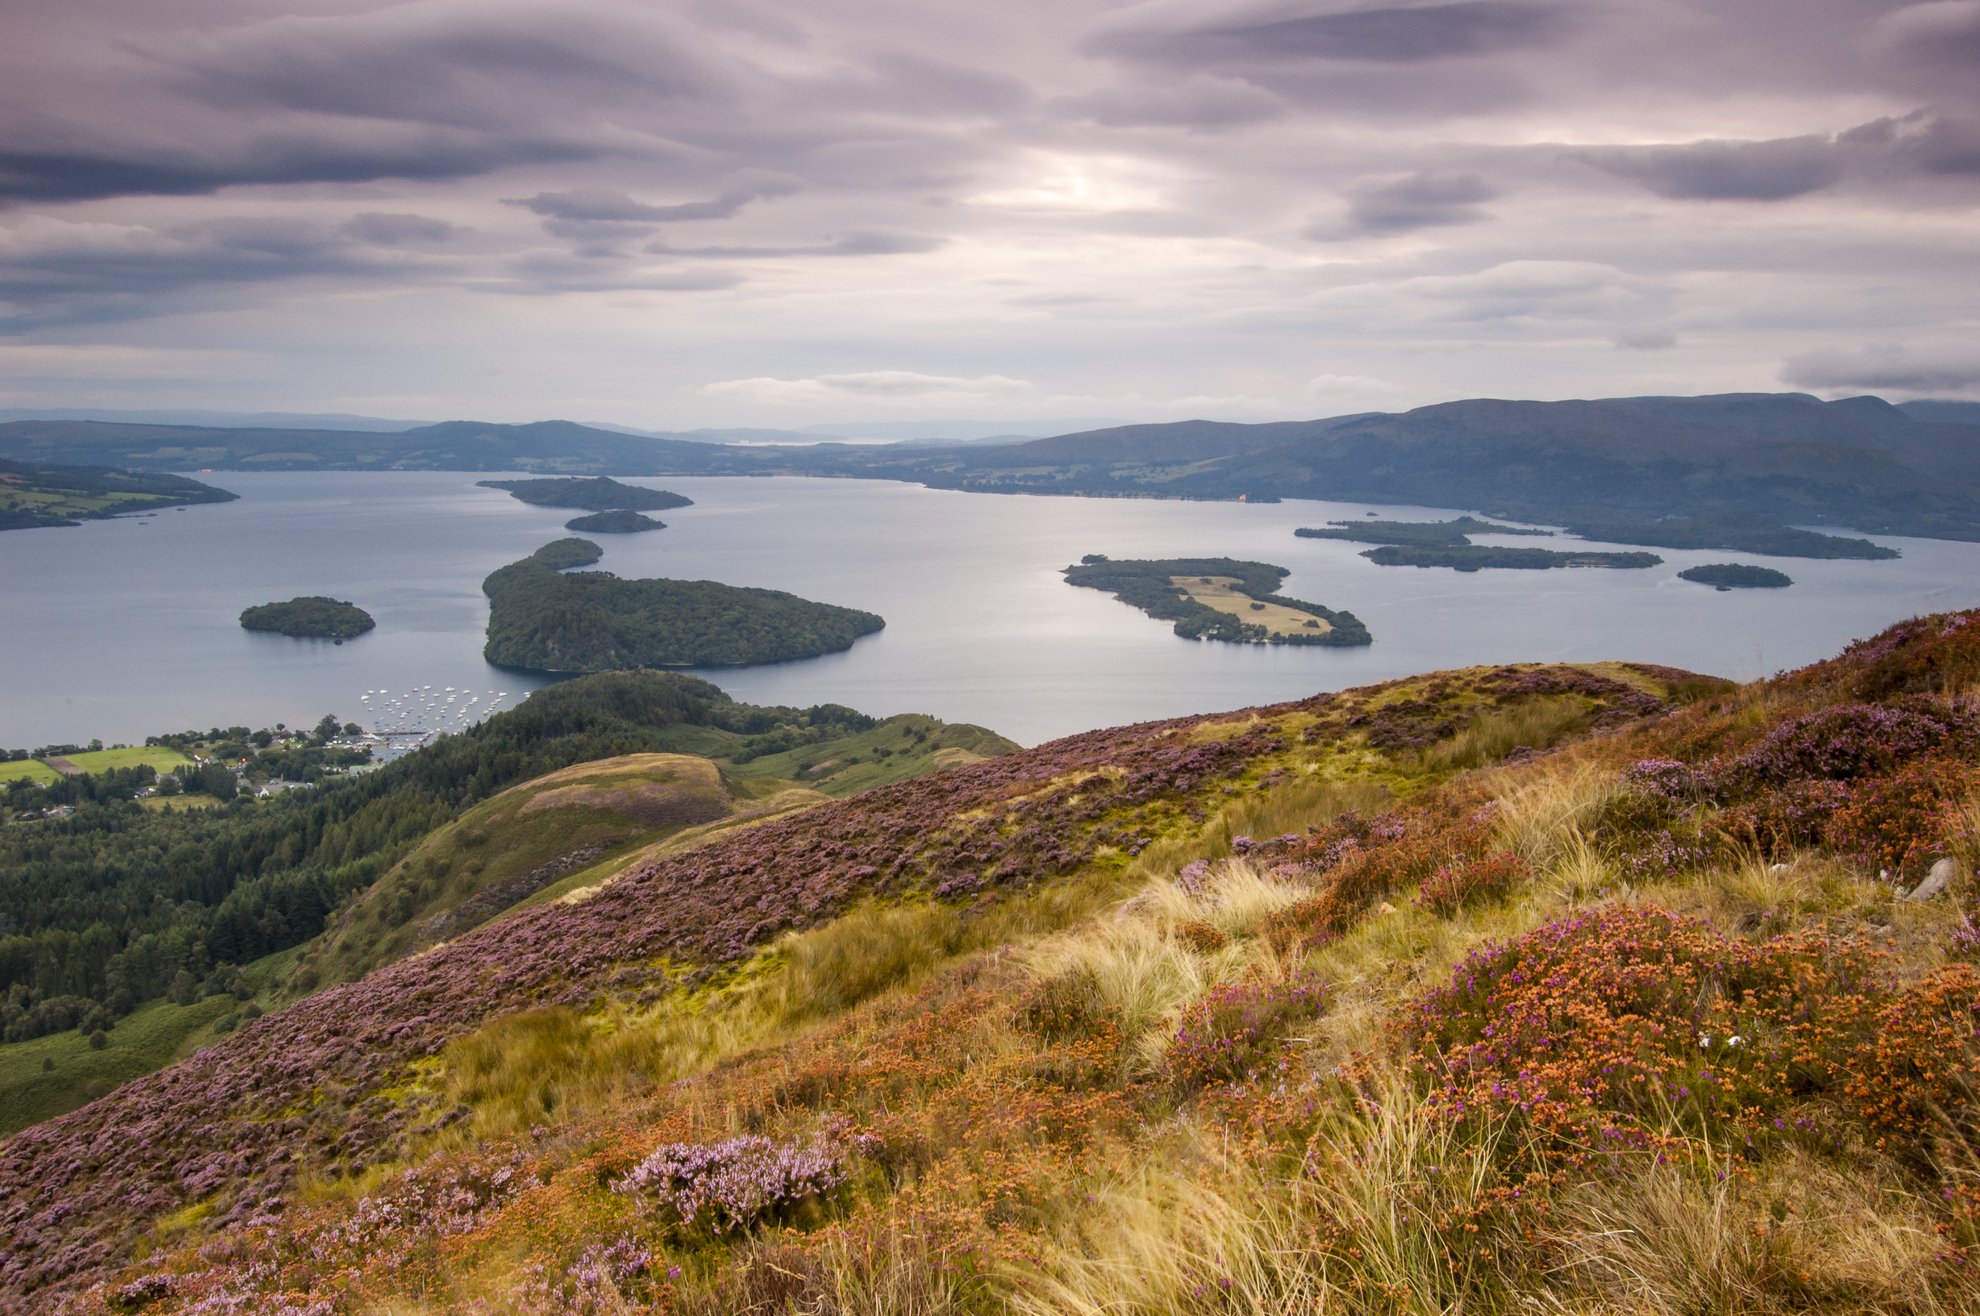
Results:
312 617
1219 598
1736 575
618 521
543 618
35 495
597 494
1477 557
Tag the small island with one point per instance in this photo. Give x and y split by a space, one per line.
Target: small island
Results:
1728 531
619 521
544 618
1219 598
1736 575
1478 557
1438 533
597 494
312 617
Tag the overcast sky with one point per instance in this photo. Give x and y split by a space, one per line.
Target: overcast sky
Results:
724 212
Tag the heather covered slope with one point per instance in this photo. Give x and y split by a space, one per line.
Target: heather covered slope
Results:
300 1094
1518 989
507 849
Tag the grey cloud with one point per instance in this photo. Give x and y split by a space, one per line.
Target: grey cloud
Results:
1726 171
396 230
1646 340
864 243
55 176
1893 367
546 273
452 63
606 205
1919 144
93 275
1196 103
1394 34
1414 201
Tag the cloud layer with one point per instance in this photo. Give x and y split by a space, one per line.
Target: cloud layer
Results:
750 212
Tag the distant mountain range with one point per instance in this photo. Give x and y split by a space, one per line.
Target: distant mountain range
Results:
1789 457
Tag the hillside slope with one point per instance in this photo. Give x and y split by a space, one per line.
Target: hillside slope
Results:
1859 462
507 849
1562 988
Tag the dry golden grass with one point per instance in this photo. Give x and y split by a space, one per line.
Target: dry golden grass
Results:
1223 594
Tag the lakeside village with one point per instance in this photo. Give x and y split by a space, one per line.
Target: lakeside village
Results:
201 770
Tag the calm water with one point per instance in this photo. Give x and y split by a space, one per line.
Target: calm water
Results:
123 629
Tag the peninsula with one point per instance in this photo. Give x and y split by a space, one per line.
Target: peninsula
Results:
311 617
34 495
1437 533
1219 598
1475 557
542 619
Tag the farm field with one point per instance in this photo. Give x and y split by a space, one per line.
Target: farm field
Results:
102 760
27 770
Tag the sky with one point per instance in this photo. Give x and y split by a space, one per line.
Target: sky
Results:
732 213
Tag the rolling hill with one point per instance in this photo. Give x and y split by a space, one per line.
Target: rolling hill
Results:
1775 457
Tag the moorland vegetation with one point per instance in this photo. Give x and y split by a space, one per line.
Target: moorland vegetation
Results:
1572 988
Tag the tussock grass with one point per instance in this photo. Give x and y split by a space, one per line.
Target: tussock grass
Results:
1141 967
1291 806
1548 817
1357 1227
1536 724
1800 1235
521 1070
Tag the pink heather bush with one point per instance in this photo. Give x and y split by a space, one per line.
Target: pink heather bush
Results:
1602 1029
1238 1029
737 1182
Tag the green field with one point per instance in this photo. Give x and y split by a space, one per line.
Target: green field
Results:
28 769
101 760
149 1038
172 803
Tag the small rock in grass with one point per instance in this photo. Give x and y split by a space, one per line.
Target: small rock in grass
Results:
1935 881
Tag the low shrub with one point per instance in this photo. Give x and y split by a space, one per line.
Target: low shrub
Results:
1238 1029
1607 1031
737 1182
1917 1080
1457 884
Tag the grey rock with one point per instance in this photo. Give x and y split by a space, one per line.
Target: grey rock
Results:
1936 881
